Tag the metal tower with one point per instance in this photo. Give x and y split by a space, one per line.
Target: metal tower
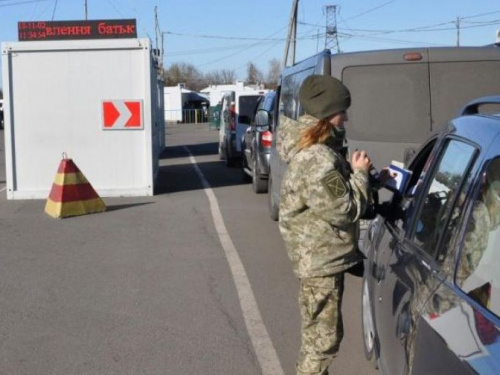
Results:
331 36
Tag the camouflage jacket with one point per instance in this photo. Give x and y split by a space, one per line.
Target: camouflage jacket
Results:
321 203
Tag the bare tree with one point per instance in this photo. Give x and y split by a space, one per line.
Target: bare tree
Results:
184 73
228 76
213 78
254 75
273 74
220 77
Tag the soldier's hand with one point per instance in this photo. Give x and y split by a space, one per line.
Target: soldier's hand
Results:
360 161
386 174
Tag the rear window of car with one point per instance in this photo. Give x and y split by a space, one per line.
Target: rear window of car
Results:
247 105
289 98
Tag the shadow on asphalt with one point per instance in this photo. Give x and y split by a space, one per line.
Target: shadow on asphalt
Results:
183 177
201 149
118 207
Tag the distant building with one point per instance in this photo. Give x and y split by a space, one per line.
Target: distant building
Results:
178 100
215 92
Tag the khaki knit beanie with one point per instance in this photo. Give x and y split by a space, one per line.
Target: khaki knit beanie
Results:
323 96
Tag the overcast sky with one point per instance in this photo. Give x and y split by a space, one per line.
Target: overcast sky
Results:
228 34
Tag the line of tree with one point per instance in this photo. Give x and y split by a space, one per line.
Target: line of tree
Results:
195 80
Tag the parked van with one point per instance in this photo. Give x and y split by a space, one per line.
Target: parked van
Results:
399 97
236 113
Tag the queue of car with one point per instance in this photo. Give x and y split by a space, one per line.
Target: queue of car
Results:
431 294
257 142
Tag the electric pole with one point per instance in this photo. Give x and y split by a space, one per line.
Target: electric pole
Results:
457 23
86 13
331 36
291 36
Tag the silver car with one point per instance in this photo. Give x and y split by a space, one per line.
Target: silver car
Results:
257 142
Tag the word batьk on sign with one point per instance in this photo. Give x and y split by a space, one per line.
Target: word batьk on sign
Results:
122 115
64 30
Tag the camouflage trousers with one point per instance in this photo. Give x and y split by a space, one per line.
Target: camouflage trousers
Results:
320 300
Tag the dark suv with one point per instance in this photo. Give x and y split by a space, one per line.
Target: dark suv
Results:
256 144
431 288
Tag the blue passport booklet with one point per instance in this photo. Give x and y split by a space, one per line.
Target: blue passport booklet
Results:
401 178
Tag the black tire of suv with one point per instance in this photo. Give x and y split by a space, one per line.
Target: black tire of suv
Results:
271 204
259 185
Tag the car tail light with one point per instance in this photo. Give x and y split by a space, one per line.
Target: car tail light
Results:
232 117
266 138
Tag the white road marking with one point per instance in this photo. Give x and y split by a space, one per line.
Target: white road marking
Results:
262 344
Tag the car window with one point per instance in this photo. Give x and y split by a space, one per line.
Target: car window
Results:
434 217
247 105
260 105
479 262
289 98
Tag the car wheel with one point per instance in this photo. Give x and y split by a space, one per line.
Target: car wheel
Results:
271 203
369 338
259 185
228 159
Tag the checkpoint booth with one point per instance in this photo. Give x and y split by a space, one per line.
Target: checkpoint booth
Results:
99 100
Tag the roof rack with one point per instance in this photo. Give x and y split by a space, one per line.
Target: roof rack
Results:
472 108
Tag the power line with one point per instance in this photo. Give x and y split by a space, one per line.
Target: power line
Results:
220 36
240 50
372 10
387 40
482 14
426 28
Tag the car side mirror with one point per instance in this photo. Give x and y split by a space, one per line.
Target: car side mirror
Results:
262 118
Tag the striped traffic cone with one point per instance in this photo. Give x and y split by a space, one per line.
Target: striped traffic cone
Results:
71 193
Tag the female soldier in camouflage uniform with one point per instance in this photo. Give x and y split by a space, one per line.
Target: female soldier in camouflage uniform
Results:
321 203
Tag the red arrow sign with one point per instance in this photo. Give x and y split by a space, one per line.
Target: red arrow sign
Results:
122 114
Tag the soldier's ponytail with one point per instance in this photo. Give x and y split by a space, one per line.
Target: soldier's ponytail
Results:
318 133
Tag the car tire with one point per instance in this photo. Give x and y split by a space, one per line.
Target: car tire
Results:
259 185
369 335
228 159
271 203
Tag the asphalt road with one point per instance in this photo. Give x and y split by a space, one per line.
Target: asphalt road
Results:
146 287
